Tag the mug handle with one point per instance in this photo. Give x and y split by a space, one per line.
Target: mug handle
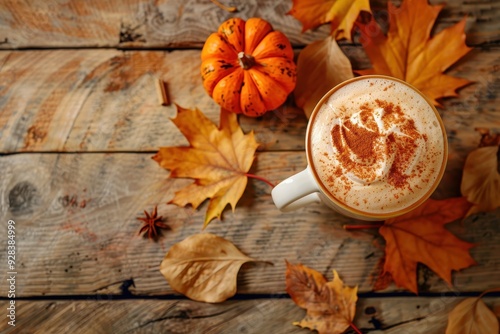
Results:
296 192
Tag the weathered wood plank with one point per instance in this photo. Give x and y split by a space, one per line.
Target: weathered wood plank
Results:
76 226
143 23
105 100
373 315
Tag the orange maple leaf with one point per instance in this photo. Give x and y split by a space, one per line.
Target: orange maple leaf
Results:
341 13
217 158
420 236
330 306
408 52
381 279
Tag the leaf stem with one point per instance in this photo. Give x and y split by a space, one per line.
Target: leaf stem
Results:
253 176
356 329
362 227
229 9
489 291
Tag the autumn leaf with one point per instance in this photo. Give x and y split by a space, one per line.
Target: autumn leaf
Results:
341 13
217 158
408 52
481 180
420 236
488 138
321 65
203 267
472 316
381 279
330 306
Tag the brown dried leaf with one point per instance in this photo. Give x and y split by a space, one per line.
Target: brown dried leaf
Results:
481 180
330 306
472 316
320 66
203 267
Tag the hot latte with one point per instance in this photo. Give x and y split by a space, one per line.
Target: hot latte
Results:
376 145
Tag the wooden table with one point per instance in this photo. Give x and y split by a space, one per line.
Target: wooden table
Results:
80 120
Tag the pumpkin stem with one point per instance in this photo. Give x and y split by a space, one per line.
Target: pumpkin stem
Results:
246 61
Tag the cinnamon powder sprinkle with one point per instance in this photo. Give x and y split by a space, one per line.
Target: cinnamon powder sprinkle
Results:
362 141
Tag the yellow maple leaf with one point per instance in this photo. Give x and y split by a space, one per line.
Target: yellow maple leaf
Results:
330 306
408 52
217 158
341 13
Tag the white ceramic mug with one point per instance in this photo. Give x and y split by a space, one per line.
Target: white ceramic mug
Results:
306 187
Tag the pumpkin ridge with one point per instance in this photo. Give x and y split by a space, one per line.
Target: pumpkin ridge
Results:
256 29
280 69
266 91
223 37
217 46
275 82
227 91
251 100
274 44
233 32
215 69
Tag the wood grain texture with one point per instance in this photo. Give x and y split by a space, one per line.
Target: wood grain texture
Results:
105 100
373 315
77 230
80 120
178 23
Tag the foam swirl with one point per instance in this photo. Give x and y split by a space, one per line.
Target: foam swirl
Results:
377 144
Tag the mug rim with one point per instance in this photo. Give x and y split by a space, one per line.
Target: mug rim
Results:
324 189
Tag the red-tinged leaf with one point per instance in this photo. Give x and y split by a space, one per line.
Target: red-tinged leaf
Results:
420 237
330 306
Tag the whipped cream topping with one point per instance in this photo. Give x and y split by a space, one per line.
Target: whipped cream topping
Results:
377 144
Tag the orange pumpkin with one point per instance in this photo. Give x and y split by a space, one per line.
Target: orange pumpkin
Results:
247 67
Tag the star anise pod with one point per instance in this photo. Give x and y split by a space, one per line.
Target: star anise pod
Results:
151 222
